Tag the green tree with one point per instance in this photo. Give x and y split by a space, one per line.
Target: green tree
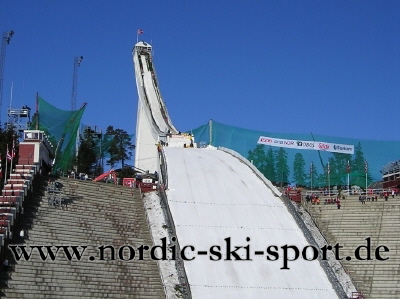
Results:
126 172
321 180
120 146
312 176
299 174
358 167
258 158
87 153
281 166
265 162
338 164
270 170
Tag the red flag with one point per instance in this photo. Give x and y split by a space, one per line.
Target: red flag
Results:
9 156
140 31
13 149
1 170
348 167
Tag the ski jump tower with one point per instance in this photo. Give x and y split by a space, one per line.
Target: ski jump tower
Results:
153 123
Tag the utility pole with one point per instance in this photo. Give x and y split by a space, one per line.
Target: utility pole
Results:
77 63
4 42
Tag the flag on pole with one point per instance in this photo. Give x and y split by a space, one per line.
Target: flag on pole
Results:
1 169
329 168
311 169
9 156
139 31
13 149
348 169
366 166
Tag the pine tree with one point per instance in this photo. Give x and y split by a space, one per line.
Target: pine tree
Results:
281 166
313 177
299 174
120 146
258 158
87 157
338 164
270 170
358 167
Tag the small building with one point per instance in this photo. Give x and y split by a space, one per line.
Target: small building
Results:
391 175
36 149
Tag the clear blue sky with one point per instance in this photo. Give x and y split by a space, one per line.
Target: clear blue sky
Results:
327 67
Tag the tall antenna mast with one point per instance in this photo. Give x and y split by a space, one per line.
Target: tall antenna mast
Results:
77 63
5 41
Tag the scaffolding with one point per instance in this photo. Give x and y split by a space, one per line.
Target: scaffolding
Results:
18 119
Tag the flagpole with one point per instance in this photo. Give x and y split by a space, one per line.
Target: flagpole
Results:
311 174
37 111
12 86
348 184
12 156
329 181
348 178
1 171
366 177
5 173
139 31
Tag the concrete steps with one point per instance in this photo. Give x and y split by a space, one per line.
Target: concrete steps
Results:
97 214
350 226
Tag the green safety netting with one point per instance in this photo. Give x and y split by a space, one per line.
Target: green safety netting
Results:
293 166
62 128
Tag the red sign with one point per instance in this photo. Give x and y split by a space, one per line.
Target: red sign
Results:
323 146
128 182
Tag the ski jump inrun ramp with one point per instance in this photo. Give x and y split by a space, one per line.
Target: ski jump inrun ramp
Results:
218 202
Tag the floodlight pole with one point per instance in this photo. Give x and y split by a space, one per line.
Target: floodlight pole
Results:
366 177
311 175
329 180
77 63
348 184
6 38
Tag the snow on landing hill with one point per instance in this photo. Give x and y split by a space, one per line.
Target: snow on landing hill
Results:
216 200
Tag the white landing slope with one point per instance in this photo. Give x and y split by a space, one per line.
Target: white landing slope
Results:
213 196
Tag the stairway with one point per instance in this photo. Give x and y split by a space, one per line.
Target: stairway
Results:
350 226
89 214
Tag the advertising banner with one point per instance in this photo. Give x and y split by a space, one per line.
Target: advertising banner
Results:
308 145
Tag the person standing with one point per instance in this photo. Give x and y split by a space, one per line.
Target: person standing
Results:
5 265
338 203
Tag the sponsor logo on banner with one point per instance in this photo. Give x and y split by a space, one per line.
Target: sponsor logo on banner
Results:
342 148
305 144
310 145
264 140
323 146
284 142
